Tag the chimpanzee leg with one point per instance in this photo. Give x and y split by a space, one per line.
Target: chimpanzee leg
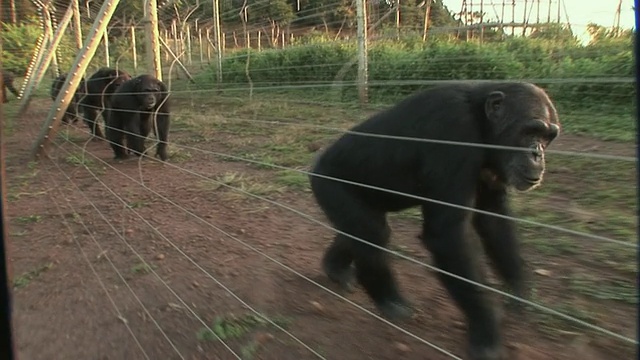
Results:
135 140
115 136
90 118
337 261
499 236
162 128
443 235
350 215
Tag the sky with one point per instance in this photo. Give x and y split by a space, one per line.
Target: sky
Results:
579 12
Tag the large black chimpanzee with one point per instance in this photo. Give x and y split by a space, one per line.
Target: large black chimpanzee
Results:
138 106
7 84
99 88
506 114
71 115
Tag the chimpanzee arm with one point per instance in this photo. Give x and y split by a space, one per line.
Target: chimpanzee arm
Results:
498 234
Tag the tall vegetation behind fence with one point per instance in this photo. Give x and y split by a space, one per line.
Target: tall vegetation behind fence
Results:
392 64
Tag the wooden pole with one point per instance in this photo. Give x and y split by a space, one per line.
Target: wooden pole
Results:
427 13
81 62
361 18
218 41
46 61
76 23
153 39
133 47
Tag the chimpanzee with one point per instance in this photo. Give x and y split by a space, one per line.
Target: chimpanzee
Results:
510 114
71 115
138 106
99 88
7 83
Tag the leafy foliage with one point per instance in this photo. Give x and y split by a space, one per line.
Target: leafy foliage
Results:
322 61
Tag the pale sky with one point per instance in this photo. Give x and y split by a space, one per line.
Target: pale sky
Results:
580 12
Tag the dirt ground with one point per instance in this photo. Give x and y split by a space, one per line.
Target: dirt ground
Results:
81 237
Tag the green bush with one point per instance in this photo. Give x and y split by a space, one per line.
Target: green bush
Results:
392 62
18 44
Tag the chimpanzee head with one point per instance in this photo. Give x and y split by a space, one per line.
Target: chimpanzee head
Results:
150 92
115 79
521 115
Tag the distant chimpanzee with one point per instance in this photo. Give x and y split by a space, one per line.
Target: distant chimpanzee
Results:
506 114
99 88
71 114
7 83
134 107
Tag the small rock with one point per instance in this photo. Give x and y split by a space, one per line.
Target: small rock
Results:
128 231
316 305
195 284
542 272
402 347
262 338
160 256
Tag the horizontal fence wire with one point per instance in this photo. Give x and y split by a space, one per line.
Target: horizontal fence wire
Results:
398 254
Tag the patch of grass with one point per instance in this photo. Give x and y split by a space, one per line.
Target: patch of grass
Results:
232 327
136 204
616 257
179 154
560 245
15 195
68 136
78 160
249 350
604 124
29 219
604 289
554 325
293 180
26 278
240 184
142 268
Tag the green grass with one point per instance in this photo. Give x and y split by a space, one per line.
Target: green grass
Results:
29 219
241 327
604 289
604 124
237 326
142 268
26 278
236 185
79 160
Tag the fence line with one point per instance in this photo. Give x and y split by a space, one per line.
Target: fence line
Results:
418 262
254 249
417 197
208 274
120 316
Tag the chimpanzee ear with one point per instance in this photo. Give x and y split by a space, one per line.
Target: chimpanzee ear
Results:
494 103
163 87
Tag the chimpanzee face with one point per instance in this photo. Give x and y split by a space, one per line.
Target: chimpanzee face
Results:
526 120
151 92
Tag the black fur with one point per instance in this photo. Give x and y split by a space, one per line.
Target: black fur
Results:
71 115
99 88
7 83
134 106
509 114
